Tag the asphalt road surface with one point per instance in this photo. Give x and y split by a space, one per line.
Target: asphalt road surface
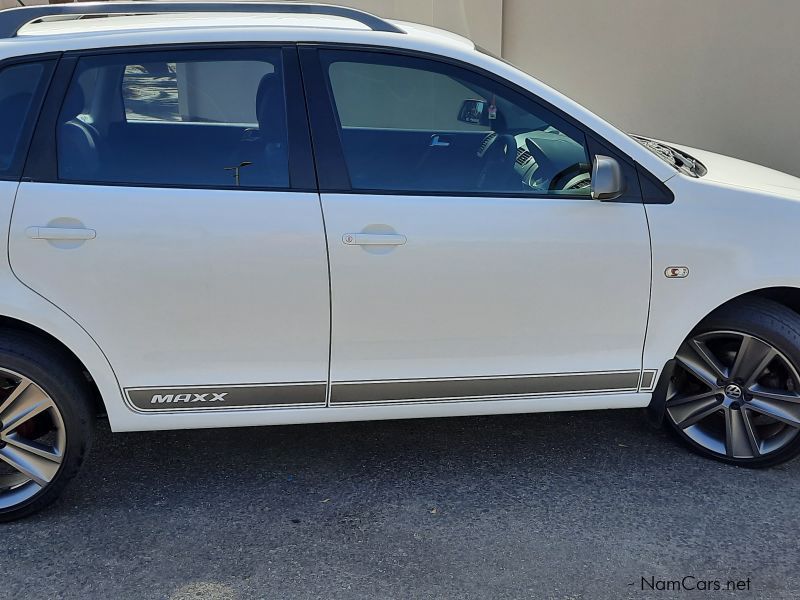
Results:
570 505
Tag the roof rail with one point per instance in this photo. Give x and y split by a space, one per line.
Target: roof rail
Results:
13 19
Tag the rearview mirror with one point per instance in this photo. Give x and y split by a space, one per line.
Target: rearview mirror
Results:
607 182
474 112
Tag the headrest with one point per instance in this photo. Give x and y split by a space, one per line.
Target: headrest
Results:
269 102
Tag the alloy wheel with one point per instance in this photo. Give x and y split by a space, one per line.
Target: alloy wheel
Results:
32 439
734 395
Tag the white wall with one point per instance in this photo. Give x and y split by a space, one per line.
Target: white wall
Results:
14 3
717 74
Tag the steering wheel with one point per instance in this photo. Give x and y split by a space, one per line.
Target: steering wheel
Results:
557 179
574 177
499 168
545 168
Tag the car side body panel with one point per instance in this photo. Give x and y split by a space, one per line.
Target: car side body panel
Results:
733 241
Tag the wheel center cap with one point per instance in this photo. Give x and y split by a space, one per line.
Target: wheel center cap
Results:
733 391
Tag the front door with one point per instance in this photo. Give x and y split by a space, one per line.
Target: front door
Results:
468 260
177 231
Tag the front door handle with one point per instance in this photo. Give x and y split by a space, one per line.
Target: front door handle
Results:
374 239
60 233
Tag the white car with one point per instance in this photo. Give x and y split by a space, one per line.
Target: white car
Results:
219 215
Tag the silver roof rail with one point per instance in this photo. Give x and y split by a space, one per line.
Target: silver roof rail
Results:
13 19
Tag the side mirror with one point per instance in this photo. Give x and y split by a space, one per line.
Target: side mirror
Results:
607 181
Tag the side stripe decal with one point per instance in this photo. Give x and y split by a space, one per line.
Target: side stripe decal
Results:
648 381
357 392
219 397
313 393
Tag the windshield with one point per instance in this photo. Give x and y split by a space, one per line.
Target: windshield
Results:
681 161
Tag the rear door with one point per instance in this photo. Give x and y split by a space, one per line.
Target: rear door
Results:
468 260
176 219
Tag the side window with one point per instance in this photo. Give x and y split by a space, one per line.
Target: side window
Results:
397 97
413 125
176 118
22 88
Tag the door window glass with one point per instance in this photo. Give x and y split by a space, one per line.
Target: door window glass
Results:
412 125
181 118
21 90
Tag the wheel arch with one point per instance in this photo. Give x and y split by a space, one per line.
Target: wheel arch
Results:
785 295
75 363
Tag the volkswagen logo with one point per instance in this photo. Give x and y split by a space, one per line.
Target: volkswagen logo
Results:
733 391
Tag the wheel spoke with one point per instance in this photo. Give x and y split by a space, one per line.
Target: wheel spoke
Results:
753 357
738 441
780 410
678 399
26 405
697 363
38 468
688 413
21 387
751 432
43 450
781 395
717 368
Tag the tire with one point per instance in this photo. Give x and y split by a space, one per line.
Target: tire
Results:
755 422
63 398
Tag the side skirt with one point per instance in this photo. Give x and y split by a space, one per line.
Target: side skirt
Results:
244 417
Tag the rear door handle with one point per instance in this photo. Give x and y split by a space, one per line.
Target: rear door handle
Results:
374 239
60 233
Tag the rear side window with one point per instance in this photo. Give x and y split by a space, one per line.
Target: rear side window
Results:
177 118
22 87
